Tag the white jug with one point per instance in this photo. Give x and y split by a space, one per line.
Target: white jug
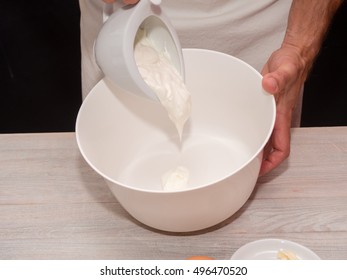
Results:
114 46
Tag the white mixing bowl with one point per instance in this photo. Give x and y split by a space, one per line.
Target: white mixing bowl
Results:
131 143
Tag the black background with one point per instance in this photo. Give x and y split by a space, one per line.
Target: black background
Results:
325 98
40 80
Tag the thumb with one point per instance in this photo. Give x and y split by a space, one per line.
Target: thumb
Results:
270 84
276 81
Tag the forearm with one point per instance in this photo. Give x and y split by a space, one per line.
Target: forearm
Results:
308 23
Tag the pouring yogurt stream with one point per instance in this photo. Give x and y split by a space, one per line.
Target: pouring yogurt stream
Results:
158 71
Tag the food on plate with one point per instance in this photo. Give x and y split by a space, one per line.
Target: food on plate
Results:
286 255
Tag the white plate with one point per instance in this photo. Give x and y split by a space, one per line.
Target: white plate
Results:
267 249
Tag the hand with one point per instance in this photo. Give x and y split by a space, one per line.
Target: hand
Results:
283 76
128 2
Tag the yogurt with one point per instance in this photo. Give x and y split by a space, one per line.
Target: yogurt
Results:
175 179
163 78
158 71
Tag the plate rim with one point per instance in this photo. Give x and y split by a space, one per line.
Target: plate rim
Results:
258 242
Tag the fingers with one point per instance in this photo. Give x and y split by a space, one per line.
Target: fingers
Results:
274 159
128 2
278 148
283 76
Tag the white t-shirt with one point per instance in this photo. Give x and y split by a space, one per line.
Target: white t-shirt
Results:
248 29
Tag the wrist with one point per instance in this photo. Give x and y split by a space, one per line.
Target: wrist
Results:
305 51
300 56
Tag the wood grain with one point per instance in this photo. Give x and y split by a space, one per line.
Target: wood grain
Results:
54 206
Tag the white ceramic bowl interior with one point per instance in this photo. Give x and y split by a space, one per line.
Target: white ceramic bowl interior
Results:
131 142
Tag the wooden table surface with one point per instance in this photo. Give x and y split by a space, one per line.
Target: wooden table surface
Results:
54 206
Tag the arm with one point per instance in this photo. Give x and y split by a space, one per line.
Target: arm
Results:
288 67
